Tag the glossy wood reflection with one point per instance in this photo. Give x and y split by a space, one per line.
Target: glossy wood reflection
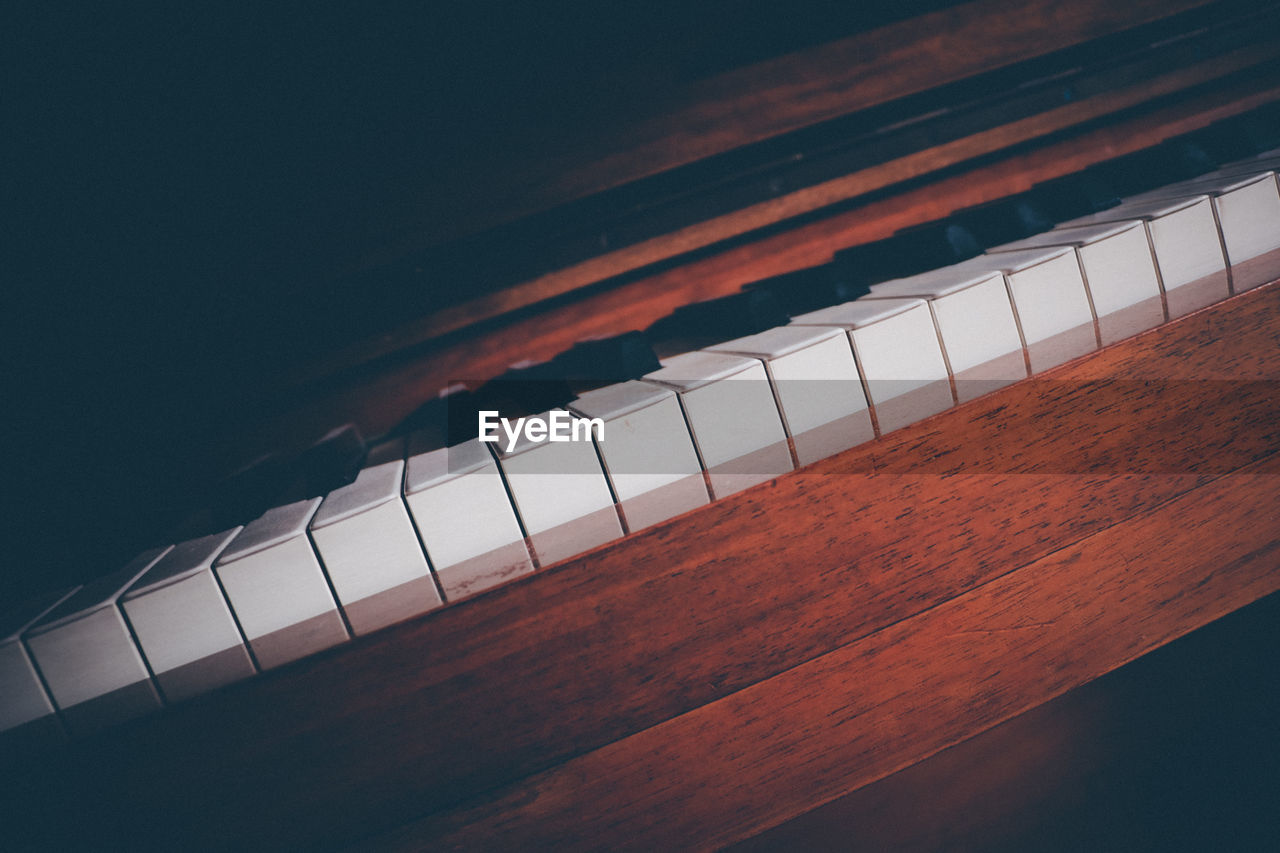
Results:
1066 502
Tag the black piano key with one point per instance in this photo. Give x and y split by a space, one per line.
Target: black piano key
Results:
330 463
1242 137
1167 163
1187 159
1261 129
939 244
1134 173
533 389
444 421
812 288
607 360
278 478
248 492
716 320
909 252
1073 196
1226 142
1006 220
526 390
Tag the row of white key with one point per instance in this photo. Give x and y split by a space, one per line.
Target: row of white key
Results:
1053 297
420 527
181 621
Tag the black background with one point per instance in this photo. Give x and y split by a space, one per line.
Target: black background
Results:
187 187
184 185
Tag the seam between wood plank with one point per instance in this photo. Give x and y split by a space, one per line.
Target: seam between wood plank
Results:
874 221
1148 515
1238 328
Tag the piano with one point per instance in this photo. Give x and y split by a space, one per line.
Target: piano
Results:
940 342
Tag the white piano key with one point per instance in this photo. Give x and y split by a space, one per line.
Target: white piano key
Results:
561 494
277 589
897 347
1049 301
816 382
183 623
371 552
1188 250
1249 216
1248 210
27 715
1119 272
974 316
647 451
464 516
732 416
88 657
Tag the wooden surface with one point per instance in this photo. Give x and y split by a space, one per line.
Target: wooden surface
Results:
732 668
852 74
1172 752
708 232
766 753
180 324
379 395
702 118
835 80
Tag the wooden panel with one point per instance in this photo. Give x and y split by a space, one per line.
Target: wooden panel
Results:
856 73
381 394
424 716
777 96
1169 752
764 754
862 182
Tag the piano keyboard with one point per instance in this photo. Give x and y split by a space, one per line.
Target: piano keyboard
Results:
977 331
649 458
182 623
421 525
1118 271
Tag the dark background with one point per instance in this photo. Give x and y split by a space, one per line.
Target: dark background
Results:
186 187
189 187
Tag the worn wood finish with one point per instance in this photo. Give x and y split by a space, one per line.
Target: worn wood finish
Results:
708 117
734 767
1170 752
431 714
856 73
379 396
862 182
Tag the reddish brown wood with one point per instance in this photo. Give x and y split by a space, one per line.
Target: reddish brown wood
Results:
721 228
710 116
766 753
1172 751
382 396
431 714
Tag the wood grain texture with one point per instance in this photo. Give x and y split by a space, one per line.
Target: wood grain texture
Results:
856 73
1166 753
428 716
742 764
862 182
710 116
381 395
